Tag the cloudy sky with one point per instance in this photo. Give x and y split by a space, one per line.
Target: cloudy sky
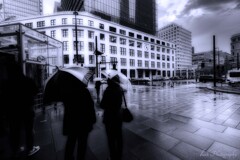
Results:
204 18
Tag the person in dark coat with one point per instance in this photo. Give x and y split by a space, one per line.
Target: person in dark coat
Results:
19 100
79 117
111 103
97 87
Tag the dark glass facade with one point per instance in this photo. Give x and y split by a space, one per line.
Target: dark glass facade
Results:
137 14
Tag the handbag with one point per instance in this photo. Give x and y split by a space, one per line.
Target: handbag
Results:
125 112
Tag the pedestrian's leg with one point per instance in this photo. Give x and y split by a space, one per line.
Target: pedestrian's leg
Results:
29 121
82 145
119 142
15 134
70 146
111 141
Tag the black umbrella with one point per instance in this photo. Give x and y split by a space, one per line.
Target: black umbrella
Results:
65 82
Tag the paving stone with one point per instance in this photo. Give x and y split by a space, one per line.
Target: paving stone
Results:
231 123
189 152
160 126
220 137
160 139
224 151
233 131
149 151
192 139
200 123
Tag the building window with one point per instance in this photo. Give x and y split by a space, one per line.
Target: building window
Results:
132 62
158 42
113 39
168 51
163 43
91 59
130 34
64 32
101 26
102 48
163 50
152 40
152 64
146 64
173 58
53 22
152 56
79 21
139 36
90 46
168 65
163 65
139 53
139 63
146 38
66 59
65 45
102 36
168 58
91 34
122 41
158 56
152 47
80 45
131 52
123 32
123 61
103 59
41 24
113 49
158 64
131 43
113 59
158 49
64 20
30 25
146 54
53 33
112 29
163 57
122 51
139 45
90 23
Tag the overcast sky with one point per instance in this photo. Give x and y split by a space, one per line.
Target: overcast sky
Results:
204 18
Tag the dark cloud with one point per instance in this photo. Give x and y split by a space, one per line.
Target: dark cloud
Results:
209 5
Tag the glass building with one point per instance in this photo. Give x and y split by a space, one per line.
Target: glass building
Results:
137 14
11 9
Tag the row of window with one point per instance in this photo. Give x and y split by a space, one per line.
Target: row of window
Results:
113 50
123 61
101 26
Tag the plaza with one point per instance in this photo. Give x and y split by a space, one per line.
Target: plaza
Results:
187 121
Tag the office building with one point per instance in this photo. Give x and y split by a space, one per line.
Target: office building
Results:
183 41
235 50
135 53
137 14
12 9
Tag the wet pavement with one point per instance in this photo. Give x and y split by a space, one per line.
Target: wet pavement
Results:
187 121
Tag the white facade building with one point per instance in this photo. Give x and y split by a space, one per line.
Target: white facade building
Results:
183 40
137 54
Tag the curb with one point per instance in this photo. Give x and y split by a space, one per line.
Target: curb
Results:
221 90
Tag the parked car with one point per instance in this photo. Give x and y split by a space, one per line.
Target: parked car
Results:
175 78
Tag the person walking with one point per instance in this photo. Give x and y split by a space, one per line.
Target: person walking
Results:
79 117
111 103
97 87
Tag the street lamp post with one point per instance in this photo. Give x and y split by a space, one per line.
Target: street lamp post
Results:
76 35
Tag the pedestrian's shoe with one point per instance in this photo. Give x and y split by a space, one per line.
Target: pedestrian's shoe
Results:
34 150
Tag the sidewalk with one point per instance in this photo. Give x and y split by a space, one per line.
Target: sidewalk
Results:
224 88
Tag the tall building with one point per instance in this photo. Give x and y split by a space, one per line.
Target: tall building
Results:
183 41
235 50
11 9
135 53
137 14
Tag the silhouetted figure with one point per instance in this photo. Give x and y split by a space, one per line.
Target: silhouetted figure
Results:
79 117
19 99
97 87
111 103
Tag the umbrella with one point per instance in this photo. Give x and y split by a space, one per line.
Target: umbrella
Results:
65 81
124 81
